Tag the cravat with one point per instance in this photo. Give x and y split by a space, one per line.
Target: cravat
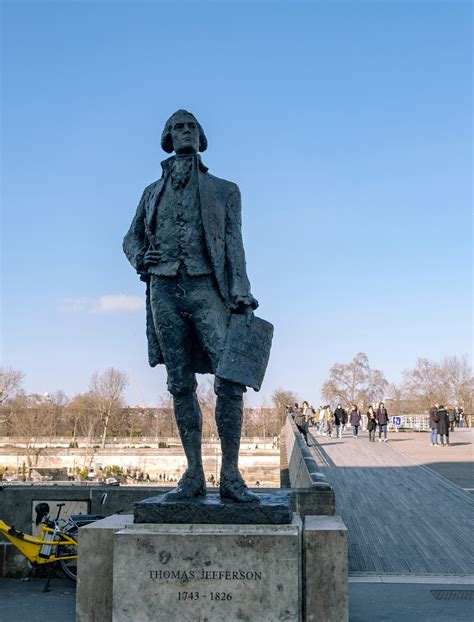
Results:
181 172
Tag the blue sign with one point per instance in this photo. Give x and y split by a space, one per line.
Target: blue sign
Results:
396 421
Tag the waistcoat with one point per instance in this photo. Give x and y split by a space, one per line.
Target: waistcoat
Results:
179 235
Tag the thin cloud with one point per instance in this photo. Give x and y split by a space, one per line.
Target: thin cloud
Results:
111 303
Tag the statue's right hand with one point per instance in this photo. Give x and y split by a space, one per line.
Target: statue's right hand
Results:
151 258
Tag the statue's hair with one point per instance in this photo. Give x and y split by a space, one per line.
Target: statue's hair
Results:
166 140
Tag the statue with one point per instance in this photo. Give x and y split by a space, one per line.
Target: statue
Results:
185 242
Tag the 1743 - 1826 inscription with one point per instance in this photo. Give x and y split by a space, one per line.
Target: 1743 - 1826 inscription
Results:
205 574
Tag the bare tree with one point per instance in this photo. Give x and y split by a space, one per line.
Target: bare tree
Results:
207 401
448 382
281 398
354 383
395 394
28 413
57 402
457 378
107 389
422 383
83 418
165 414
10 382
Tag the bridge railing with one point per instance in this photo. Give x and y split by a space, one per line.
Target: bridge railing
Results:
311 493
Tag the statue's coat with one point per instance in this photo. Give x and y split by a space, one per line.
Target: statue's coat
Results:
221 209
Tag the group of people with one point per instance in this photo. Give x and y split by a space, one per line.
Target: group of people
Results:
327 421
442 422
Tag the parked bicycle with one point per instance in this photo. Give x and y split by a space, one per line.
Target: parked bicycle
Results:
56 546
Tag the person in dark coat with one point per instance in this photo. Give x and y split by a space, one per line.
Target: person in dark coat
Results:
354 420
302 424
371 424
344 419
382 420
443 425
433 413
340 418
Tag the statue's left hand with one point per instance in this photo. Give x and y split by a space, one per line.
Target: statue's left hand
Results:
245 305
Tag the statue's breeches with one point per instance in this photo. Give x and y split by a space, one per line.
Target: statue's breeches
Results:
185 308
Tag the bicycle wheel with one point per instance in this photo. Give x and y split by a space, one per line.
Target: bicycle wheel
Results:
68 566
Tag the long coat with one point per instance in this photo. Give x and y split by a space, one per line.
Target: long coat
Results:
371 421
340 416
221 209
442 423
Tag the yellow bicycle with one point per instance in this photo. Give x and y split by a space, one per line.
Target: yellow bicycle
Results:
57 544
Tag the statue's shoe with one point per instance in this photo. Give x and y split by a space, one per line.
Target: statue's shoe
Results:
234 488
191 485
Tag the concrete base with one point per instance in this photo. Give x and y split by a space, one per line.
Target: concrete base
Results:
95 568
201 573
325 562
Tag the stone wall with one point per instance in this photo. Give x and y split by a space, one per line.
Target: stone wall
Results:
256 463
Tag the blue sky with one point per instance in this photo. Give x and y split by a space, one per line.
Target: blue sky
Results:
346 125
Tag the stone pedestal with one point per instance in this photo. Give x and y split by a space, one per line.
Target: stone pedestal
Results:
213 573
204 573
95 568
325 563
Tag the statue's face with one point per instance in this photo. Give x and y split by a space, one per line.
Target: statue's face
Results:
185 134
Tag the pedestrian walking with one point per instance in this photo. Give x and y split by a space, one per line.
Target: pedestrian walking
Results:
382 421
443 425
308 412
344 419
319 419
354 420
433 414
460 417
329 420
371 424
302 424
339 416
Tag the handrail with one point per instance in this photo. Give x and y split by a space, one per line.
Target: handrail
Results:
304 471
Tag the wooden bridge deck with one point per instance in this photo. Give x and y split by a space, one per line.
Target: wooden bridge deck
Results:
402 517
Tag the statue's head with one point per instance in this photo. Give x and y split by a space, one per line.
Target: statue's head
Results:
183 134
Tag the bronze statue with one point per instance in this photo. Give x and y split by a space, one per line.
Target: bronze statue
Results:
185 241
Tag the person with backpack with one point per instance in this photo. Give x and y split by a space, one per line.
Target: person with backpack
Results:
382 421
